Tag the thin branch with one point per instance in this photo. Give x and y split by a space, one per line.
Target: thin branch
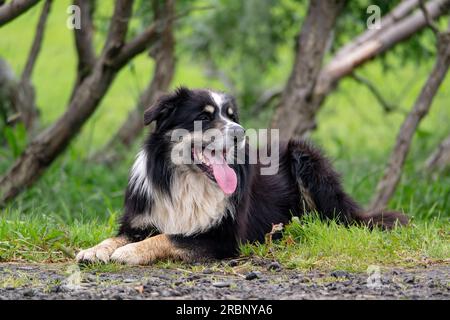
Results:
386 105
118 29
24 94
148 35
428 18
212 71
134 46
403 9
265 99
84 40
440 158
37 42
188 11
15 8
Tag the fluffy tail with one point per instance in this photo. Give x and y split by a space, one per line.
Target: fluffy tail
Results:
385 220
322 191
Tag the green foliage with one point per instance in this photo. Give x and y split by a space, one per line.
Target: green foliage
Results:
232 32
16 138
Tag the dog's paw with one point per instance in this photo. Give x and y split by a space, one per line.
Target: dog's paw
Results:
129 254
95 254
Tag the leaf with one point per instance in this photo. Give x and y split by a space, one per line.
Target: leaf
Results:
139 289
8 133
16 138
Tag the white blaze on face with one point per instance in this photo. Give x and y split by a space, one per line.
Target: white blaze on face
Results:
220 100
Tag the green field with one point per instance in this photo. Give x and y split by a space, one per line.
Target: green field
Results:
76 202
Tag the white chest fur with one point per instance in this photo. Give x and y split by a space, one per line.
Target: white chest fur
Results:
196 203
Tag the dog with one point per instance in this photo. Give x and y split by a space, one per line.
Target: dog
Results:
205 206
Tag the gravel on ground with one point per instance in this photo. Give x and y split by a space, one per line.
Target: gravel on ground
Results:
266 280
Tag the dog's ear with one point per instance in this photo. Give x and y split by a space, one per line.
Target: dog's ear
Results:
154 112
164 106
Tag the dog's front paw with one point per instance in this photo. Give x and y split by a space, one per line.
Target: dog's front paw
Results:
130 254
99 253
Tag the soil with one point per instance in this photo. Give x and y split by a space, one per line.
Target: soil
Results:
228 280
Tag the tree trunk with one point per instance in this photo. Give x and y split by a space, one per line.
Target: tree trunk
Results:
312 44
365 47
163 52
44 149
389 181
440 158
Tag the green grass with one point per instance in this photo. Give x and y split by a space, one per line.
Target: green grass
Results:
309 243
76 203
47 238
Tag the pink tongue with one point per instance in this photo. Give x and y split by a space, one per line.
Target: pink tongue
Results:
225 176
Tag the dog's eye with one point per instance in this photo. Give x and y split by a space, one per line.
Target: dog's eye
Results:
204 116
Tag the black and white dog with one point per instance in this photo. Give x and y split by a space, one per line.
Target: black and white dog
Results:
207 206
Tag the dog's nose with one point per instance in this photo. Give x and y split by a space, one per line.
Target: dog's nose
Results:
238 132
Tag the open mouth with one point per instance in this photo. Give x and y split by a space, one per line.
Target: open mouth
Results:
214 165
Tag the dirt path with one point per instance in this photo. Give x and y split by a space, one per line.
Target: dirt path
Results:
230 280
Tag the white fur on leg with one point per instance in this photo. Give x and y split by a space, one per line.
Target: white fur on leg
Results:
101 252
149 250
129 254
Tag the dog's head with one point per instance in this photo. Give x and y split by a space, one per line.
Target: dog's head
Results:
204 132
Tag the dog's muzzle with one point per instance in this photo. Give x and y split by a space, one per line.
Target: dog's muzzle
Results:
235 133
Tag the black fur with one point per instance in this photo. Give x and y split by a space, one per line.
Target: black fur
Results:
305 182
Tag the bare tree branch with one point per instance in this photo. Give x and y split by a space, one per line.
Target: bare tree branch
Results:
15 8
25 95
117 30
37 42
265 99
49 144
440 158
163 52
138 44
428 18
84 41
388 183
386 105
403 9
